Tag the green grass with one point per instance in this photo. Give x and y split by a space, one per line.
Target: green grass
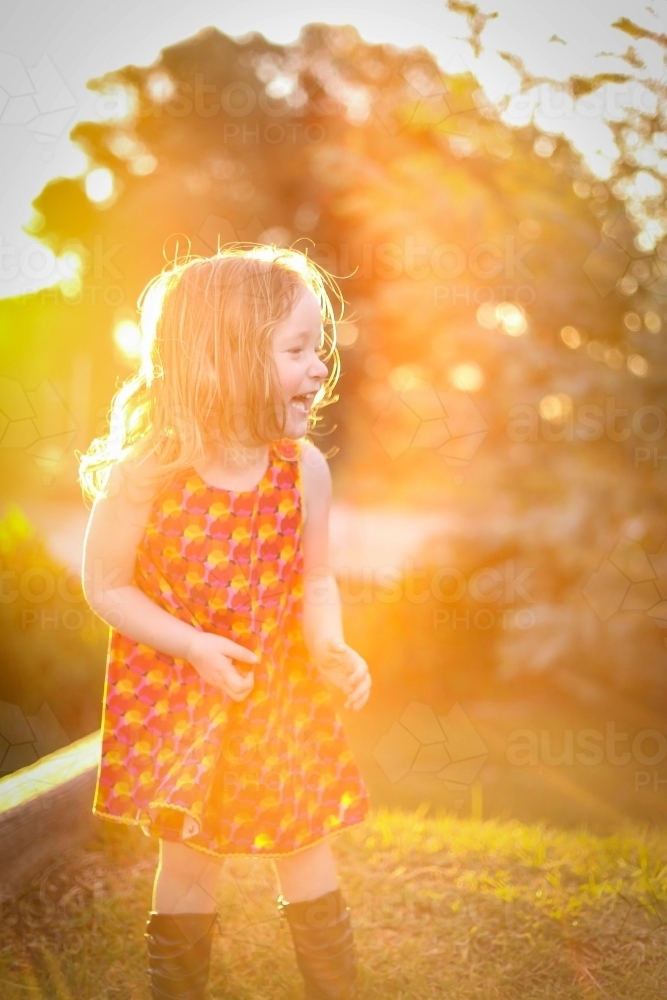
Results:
442 908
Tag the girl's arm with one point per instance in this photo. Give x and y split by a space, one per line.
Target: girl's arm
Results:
115 529
322 614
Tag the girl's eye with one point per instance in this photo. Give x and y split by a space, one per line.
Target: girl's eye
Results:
295 350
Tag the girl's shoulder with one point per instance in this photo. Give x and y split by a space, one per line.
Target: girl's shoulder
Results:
315 480
313 470
138 478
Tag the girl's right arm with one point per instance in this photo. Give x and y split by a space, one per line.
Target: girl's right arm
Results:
115 528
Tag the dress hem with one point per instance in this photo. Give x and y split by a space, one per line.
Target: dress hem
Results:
146 829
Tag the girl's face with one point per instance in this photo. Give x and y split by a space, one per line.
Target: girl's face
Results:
296 352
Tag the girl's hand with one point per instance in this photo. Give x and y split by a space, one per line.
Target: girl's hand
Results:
346 669
211 655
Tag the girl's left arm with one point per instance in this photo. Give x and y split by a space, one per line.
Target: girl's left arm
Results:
322 613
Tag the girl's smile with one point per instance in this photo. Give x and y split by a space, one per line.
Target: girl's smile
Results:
297 350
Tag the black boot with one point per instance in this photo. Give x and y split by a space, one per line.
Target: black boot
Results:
324 945
179 954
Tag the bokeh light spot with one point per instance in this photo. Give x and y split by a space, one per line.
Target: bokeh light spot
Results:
555 407
627 285
638 365
652 322
346 334
467 377
160 87
613 357
571 337
99 185
402 376
511 319
70 264
142 165
127 337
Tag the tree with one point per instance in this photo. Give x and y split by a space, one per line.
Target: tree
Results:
502 354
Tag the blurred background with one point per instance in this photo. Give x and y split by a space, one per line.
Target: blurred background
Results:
488 188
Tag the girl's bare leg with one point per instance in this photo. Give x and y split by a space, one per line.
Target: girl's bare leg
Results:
308 874
322 934
185 881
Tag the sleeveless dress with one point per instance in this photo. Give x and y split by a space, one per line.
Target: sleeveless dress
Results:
267 776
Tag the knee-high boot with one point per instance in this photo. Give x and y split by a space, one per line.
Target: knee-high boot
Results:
179 954
324 945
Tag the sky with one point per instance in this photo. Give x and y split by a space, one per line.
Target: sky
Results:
48 52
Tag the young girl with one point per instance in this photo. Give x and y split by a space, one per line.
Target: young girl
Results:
207 554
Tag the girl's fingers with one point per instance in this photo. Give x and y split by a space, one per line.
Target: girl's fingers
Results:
245 655
357 673
237 697
356 705
237 685
238 693
358 670
358 698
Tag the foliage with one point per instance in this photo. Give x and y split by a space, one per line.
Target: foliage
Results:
51 645
485 267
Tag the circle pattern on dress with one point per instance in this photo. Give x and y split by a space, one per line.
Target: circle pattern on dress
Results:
272 774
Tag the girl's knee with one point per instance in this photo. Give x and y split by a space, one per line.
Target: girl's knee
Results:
308 874
317 858
180 860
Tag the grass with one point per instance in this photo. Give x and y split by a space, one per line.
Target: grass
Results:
442 907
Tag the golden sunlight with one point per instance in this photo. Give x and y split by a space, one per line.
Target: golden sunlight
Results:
99 185
468 377
127 337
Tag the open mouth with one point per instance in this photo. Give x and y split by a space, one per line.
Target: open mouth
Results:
303 403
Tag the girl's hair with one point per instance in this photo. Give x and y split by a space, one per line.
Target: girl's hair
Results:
206 325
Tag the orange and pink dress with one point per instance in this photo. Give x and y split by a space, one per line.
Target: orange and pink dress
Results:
267 776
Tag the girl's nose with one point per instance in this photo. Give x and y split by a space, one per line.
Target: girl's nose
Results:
319 369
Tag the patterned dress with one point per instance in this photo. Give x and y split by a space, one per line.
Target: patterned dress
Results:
266 776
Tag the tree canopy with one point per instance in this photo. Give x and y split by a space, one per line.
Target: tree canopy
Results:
503 346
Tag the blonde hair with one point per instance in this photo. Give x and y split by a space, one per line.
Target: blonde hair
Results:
206 325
